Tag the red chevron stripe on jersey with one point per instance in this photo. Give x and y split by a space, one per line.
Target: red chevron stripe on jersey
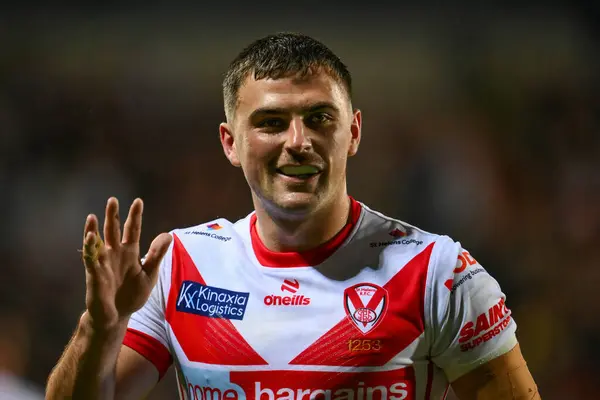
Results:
401 325
204 339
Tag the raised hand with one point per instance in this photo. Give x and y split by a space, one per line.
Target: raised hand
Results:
117 283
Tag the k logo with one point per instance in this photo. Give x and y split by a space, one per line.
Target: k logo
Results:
365 304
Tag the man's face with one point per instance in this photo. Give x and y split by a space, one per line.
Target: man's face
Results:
292 137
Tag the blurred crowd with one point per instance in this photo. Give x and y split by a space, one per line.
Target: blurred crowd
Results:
485 128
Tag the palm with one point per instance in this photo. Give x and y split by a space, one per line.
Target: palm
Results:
117 282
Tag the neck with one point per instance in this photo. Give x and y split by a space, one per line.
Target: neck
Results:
281 233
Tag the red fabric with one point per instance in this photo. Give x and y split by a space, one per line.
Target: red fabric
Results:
153 350
307 258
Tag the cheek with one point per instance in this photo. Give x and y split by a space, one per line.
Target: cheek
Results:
340 162
257 155
339 153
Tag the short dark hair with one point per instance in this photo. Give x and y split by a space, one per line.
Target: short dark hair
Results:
281 55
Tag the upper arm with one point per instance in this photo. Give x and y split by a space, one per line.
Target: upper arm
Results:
471 322
506 377
135 375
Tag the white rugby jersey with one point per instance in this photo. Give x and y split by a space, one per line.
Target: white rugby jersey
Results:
383 311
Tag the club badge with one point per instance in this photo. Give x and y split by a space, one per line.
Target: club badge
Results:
365 304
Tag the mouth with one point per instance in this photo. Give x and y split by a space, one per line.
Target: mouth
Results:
299 171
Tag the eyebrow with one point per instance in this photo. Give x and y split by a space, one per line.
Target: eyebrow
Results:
282 110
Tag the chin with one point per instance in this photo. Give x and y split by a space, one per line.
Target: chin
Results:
299 204
298 200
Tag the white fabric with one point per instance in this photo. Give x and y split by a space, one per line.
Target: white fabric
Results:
438 285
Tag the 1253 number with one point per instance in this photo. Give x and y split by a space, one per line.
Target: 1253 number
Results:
355 345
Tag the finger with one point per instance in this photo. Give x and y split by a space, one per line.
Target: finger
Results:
91 225
92 249
112 225
133 224
158 249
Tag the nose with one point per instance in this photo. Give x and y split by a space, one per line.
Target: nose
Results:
298 139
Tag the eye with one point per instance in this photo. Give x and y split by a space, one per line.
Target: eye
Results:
271 123
319 119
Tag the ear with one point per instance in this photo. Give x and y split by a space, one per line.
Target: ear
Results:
355 130
229 144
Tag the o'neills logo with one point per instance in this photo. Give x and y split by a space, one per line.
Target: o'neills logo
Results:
365 304
273 300
291 286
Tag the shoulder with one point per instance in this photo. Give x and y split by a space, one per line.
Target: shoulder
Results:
219 230
466 313
210 239
449 265
393 231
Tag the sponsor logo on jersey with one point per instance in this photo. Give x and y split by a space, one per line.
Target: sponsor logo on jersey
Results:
210 234
365 304
209 301
214 227
487 325
396 234
395 391
462 263
291 286
398 384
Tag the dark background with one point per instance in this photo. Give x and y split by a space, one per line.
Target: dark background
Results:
480 122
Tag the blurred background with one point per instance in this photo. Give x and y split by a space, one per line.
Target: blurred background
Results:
480 122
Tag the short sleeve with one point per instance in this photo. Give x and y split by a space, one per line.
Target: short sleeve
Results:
146 331
471 320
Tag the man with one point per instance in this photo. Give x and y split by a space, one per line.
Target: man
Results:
312 296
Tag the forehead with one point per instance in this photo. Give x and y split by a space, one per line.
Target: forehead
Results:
290 92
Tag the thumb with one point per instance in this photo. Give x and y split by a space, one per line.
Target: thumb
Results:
158 249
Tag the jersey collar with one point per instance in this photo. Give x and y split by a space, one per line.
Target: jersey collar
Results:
313 257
